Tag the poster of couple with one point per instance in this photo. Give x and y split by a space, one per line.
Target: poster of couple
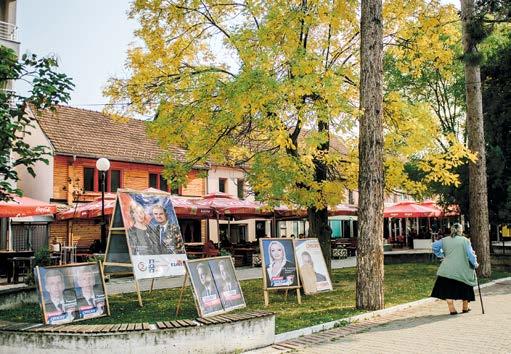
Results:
153 235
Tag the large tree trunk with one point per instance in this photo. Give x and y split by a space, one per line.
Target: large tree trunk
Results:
318 218
478 193
371 183
318 227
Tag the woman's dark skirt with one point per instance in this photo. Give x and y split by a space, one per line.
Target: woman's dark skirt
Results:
446 288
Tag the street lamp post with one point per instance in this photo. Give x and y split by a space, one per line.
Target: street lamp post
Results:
103 165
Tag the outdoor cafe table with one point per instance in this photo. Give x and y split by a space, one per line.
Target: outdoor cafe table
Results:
246 253
17 264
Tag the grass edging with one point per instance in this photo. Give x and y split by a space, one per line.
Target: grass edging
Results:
365 316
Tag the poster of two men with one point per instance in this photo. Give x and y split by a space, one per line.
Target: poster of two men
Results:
71 293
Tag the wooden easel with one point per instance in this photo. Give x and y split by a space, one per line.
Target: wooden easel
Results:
181 292
119 230
266 290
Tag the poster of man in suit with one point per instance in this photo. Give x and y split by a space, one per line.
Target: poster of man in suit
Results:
62 291
226 283
206 294
90 295
154 238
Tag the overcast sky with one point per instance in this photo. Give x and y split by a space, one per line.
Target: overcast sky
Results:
90 38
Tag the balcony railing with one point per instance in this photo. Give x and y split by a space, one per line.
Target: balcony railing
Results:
8 31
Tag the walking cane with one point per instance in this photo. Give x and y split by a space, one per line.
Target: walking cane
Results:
479 288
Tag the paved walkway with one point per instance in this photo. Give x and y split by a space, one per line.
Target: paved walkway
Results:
424 328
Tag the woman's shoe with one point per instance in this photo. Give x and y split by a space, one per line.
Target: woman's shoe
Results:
454 312
465 311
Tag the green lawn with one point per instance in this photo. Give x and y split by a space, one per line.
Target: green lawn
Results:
403 283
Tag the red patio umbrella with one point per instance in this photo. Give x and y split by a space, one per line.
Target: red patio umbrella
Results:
88 210
409 210
24 206
225 205
184 207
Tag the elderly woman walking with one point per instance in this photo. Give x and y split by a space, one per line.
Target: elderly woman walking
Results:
456 274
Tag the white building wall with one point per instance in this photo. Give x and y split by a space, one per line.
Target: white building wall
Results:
232 176
41 186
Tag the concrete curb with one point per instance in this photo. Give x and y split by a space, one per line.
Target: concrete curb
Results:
365 316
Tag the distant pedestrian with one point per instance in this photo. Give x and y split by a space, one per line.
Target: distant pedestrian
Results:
456 274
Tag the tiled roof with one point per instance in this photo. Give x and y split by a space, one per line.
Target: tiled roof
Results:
85 133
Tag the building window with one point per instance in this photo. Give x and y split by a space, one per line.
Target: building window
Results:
115 180
92 180
157 181
88 179
153 180
163 184
241 189
222 185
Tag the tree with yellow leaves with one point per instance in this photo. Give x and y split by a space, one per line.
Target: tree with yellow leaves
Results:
268 86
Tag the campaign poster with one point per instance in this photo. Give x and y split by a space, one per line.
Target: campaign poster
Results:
71 293
154 238
226 282
279 263
206 294
312 267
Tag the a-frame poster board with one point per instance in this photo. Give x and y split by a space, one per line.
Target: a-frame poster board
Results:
279 267
144 238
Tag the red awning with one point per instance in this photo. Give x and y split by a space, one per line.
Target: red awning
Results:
410 210
24 206
88 210
227 206
184 207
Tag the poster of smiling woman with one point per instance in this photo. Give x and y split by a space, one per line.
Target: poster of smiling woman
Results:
71 293
279 263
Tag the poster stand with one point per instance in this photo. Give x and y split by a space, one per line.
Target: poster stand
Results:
144 239
181 292
266 289
116 247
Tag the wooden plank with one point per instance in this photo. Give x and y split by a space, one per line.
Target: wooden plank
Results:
123 327
145 326
116 328
224 318
190 323
108 328
93 328
161 325
138 326
67 329
203 320
168 324
183 323
131 327
175 324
